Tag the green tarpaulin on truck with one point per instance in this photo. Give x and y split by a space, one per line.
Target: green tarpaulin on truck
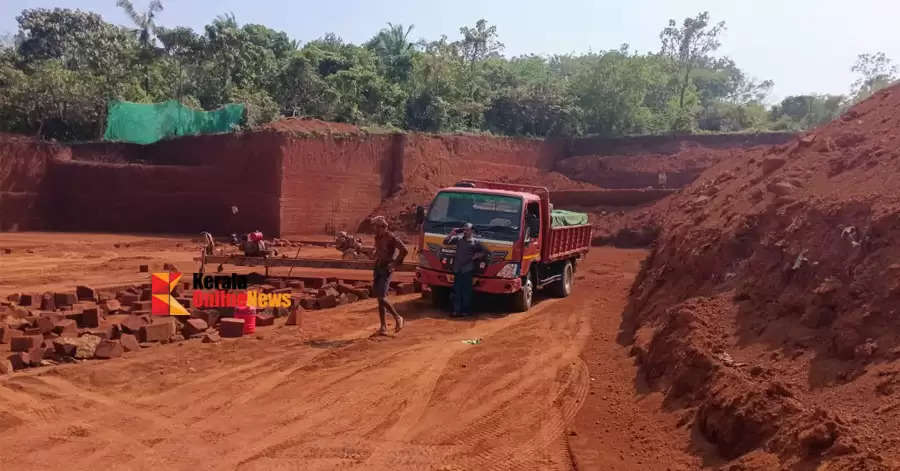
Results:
146 123
563 218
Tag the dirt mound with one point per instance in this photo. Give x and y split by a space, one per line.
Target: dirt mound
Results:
302 125
768 308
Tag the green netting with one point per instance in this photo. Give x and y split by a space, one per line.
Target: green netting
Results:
562 218
147 123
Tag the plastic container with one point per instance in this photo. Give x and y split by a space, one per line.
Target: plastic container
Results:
248 314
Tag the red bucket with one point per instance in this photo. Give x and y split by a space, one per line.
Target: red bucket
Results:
248 314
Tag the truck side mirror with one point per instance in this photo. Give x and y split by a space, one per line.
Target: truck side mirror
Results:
420 215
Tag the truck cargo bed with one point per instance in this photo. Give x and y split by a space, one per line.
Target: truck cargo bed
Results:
568 241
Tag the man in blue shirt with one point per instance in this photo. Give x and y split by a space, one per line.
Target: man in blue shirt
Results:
468 252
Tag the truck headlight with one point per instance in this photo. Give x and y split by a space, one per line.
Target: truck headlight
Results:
510 270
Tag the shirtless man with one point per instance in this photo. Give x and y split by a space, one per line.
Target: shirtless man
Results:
386 243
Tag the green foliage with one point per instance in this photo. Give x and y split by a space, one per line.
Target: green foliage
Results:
687 46
796 113
876 71
261 108
480 42
62 67
395 52
623 93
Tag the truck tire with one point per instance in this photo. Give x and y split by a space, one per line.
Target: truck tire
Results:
522 299
563 287
440 296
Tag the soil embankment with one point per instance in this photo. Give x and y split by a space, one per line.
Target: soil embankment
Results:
767 310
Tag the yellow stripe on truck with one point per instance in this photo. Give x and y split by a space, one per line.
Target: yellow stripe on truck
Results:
493 246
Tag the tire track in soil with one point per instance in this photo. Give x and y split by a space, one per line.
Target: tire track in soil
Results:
420 373
532 453
406 453
55 436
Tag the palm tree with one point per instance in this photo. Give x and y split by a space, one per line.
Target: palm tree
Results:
224 43
146 29
393 41
146 22
393 47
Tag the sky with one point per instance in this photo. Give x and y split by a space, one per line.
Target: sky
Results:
805 46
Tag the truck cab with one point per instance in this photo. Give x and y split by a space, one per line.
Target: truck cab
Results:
514 223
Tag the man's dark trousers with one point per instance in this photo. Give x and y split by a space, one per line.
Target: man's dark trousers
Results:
462 290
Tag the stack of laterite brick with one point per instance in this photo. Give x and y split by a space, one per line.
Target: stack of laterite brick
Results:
44 329
337 293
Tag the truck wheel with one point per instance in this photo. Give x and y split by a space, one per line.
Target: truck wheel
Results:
440 296
563 287
522 299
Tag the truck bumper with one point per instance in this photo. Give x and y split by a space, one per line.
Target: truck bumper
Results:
484 285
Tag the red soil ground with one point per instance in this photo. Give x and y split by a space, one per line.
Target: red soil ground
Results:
292 125
548 389
767 311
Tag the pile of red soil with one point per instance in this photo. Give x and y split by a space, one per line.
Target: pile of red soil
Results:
312 126
768 310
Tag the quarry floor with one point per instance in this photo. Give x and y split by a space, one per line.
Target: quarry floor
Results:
548 389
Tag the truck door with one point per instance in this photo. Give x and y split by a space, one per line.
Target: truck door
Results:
531 250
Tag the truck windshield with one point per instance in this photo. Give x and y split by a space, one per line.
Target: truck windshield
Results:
494 216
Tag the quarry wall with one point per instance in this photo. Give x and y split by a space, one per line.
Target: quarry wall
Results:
670 144
23 166
283 183
331 184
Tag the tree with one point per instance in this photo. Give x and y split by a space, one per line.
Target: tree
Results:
688 45
394 50
184 47
77 39
61 68
796 113
301 91
480 42
623 93
145 22
146 30
436 89
876 72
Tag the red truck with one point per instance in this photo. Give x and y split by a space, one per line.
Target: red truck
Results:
532 246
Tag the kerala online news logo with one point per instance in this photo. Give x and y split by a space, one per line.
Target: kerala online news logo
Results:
210 292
